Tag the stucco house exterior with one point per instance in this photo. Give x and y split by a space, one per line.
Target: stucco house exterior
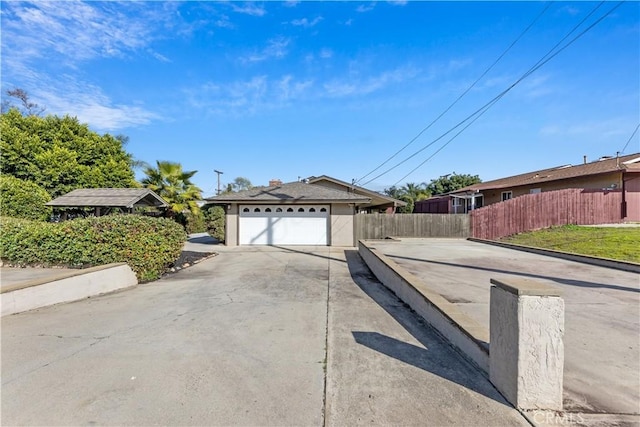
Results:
620 173
314 211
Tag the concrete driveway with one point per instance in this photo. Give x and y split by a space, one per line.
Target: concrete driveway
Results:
253 336
602 313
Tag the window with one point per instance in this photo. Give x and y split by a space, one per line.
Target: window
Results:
300 209
323 210
535 191
268 210
290 210
506 195
256 210
245 210
279 210
312 209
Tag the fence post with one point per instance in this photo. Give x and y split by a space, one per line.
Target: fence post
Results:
526 350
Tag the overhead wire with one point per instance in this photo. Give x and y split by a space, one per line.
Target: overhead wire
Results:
534 68
467 90
482 110
630 138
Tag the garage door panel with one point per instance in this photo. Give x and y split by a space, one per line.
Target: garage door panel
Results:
270 227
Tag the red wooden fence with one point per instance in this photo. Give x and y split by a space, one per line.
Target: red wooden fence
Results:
542 210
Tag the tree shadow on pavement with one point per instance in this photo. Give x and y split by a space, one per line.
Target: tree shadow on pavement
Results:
436 355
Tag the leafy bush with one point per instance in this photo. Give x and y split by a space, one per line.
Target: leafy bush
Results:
214 217
192 223
23 199
148 245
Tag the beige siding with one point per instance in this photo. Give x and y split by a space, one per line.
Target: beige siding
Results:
342 225
231 226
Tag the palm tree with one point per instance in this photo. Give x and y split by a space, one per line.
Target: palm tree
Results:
174 185
411 193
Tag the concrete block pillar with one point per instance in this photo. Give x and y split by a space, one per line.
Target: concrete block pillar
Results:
526 350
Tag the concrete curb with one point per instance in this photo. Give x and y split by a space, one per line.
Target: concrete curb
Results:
471 338
66 287
586 259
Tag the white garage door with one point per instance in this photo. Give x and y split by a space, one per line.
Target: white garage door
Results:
284 225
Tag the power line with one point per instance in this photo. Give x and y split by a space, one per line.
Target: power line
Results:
546 58
535 68
630 138
461 95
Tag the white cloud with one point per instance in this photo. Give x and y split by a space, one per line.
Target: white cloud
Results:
224 22
359 86
249 9
397 2
291 3
66 95
304 22
43 44
158 56
366 8
275 48
326 53
249 96
80 31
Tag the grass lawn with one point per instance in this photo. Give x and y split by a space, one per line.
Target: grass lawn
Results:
621 243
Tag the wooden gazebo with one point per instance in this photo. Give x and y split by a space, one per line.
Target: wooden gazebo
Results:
105 200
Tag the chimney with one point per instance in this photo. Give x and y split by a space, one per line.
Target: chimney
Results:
275 183
584 159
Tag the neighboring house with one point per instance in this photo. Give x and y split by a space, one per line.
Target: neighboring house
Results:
105 200
606 174
317 211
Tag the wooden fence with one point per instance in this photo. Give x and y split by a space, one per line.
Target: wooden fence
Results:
380 226
536 211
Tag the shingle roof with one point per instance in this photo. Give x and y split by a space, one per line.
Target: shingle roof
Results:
613 164
290 193
368 193
109 197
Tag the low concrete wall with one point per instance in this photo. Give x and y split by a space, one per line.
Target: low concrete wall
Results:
467 335
586 259
67 287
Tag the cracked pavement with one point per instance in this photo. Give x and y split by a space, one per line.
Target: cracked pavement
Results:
253 336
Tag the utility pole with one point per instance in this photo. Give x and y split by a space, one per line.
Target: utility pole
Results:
219 173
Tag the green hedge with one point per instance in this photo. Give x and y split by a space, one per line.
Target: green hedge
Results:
23 199
214 218
148 245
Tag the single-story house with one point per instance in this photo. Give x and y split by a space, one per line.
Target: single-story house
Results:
104 200
314 211
620 173
379 202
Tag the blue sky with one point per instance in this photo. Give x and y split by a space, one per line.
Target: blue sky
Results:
293 89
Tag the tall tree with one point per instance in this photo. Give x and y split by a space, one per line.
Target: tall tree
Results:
174 185
28 108
448 183
238 184
60 154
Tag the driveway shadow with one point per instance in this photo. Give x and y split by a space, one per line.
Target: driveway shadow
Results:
562 281
437 355
203 240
